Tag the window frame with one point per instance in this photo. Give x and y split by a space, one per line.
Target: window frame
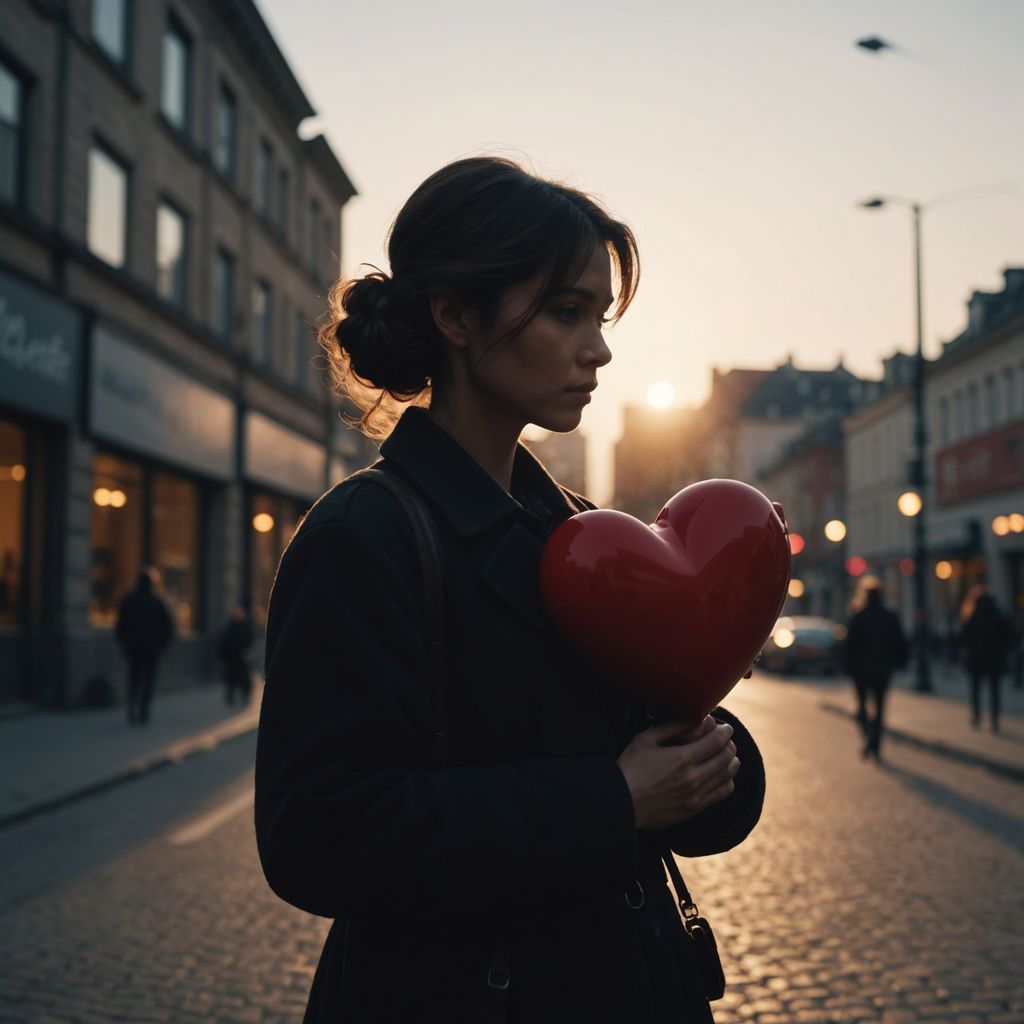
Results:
100 145
261 330
226 99
174 26
227 306
264 191
124 62
179 302
20 132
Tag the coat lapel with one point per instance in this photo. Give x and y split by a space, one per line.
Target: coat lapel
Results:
511 573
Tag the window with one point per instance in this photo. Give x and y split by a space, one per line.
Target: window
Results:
117 531
295 364
972 408
272 521
225 154
943 421
959 427
108 206
12 135
13 489
1010 392
142 517
110 28
283 187
223 295
261 323
171 251
174 517
264 171
311 231
992 400
174 87
327 247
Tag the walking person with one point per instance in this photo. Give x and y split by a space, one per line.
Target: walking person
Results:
483 816
987 639
233 649
875 648
144 629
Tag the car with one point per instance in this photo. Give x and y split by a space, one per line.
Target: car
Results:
804 643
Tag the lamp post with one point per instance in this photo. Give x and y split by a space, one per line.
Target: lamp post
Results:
923 682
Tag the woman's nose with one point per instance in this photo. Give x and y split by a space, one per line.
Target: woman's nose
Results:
598 351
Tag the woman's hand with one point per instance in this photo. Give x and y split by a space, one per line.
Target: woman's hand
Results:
672 781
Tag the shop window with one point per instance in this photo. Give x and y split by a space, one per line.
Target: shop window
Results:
117 535
13 462
171 250
174 86
12 134
110 28
108 206
175 544
272 521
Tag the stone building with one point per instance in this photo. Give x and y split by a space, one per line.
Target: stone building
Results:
166 242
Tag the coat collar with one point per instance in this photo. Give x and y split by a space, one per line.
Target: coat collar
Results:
459 488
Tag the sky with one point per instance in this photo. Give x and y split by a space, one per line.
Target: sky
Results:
736 137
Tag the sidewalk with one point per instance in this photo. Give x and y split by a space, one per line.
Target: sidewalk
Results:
48 758
940 721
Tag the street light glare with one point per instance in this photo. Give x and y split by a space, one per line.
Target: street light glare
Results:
661 395
835 530
909 504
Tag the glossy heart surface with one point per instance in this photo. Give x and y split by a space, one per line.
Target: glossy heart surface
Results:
675 612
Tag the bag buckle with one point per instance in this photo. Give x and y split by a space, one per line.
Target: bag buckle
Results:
637 901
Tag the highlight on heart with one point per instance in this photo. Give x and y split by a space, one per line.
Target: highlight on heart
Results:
674 612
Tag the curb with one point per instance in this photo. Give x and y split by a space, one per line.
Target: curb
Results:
1007 771
172 754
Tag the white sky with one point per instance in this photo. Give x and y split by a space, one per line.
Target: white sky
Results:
735 136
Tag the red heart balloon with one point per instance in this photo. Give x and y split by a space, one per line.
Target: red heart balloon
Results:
675 612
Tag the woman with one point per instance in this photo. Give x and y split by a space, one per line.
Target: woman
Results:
531 848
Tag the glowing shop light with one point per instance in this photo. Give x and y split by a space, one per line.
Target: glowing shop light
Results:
944 570
784 638
796 588
856 566
263 522
101 496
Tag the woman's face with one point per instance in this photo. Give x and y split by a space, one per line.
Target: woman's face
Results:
545 373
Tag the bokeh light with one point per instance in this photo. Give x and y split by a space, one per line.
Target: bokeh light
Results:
944 570
796 543
856 566
835 530
796 588
263 522
909 503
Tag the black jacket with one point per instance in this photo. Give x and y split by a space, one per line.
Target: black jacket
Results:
988 637
528 834
875 644
144 627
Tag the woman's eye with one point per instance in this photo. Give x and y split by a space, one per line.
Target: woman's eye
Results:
568 314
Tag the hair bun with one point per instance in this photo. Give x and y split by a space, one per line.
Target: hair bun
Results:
386 346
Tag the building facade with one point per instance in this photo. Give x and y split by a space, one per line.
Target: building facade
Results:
166 244
565 458
974 490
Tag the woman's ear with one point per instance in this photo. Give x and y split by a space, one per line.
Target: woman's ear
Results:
453 318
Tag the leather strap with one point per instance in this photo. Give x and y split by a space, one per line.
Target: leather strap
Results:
434 618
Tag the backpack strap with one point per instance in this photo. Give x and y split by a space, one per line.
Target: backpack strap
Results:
425 538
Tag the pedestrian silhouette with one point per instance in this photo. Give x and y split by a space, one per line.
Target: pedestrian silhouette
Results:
987 637
875 648
144 630
233 650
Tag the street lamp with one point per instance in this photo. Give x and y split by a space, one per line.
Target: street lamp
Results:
917 464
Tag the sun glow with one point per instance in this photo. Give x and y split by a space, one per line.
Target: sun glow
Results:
661 395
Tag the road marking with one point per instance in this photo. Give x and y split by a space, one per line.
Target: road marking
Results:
202 827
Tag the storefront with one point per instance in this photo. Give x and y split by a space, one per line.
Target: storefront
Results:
285 473
162 458
40 366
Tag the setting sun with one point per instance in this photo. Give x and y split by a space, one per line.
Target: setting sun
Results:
661 395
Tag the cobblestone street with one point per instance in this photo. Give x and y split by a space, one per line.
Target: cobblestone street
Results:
888 893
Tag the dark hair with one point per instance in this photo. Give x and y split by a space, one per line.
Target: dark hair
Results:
474 228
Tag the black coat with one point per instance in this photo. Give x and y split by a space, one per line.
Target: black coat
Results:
528 834
875 644
144 627
988 638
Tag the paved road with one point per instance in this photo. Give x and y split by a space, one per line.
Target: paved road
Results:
887 893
